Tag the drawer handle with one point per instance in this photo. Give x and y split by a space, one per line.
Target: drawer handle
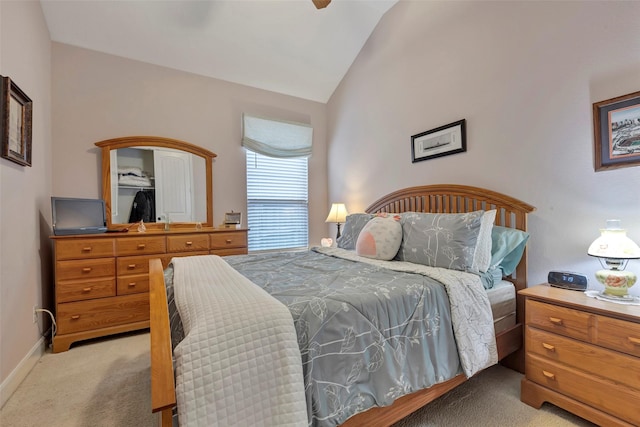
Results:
132 284
86 270
634 341
131 266
85 290
141 246
75 317
555 320
228 241
188 243
549 346
549 375
86 249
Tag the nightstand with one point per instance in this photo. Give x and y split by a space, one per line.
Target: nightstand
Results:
582 355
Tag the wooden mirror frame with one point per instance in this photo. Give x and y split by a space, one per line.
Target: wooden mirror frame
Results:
154 141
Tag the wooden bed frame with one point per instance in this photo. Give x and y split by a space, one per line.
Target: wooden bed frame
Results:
445 198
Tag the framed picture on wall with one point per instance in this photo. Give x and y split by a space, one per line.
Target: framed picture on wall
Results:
616 124
438 142
16 109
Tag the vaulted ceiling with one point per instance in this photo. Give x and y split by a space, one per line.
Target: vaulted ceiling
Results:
285 46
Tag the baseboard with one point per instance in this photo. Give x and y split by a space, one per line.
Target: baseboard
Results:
11 383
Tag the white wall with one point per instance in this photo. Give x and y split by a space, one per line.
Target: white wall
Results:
524 75
98 96
25 209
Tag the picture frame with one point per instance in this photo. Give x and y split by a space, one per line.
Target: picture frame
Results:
16 110
232 218
439 142
616 130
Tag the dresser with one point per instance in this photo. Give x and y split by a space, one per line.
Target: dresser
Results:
102 280
582 355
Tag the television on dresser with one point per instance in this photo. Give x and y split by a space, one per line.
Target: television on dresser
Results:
78 216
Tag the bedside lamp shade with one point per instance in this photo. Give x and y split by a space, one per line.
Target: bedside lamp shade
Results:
614 250
337 214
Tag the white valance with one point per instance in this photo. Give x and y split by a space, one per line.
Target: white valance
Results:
276 138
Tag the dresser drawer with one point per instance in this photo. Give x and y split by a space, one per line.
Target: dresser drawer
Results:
230 251
141 246
84 248
133 284
134 264
78 290
224 239
102 313
188 242
587 357
619 335
608 396
85 269
560 320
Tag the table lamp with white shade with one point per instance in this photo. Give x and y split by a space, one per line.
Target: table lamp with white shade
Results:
614 250
338 214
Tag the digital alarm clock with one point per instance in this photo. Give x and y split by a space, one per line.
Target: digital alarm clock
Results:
568 280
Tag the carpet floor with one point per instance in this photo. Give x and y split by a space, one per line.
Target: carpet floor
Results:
105 383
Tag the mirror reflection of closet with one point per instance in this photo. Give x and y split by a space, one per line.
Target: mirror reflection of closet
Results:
156 185
156 180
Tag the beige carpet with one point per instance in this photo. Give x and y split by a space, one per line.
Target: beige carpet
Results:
105 382
98 383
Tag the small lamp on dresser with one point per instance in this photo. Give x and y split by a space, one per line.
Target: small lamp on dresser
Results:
614 250
338 214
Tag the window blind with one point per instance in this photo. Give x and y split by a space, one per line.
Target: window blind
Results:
277 202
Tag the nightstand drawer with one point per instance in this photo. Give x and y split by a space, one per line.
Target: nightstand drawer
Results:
189 242
85 269
587 357
82 290
84 248
619 335
141 246
559 320
606 395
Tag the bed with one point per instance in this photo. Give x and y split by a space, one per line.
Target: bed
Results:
510 214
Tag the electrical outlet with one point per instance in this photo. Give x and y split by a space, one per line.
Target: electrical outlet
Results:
35 314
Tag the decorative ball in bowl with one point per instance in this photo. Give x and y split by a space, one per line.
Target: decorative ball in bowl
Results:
326 242
616 282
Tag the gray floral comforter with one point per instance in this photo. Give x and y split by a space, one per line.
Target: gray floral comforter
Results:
372 331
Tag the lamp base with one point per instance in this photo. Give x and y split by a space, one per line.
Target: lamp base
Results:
616 282
614 298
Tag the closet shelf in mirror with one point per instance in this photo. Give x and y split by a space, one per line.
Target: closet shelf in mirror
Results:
132 187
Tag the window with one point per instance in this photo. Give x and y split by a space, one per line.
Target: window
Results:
277 202
277 182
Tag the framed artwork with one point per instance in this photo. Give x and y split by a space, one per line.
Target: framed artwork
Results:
616 129
438 142
16 109
232 218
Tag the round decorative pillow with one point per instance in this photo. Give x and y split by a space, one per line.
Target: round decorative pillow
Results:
380 238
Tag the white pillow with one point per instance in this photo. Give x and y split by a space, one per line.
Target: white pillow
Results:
380 238
482 254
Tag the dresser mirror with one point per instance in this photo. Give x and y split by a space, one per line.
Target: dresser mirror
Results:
163 182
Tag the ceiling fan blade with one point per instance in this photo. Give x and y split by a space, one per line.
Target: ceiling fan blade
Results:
321 4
